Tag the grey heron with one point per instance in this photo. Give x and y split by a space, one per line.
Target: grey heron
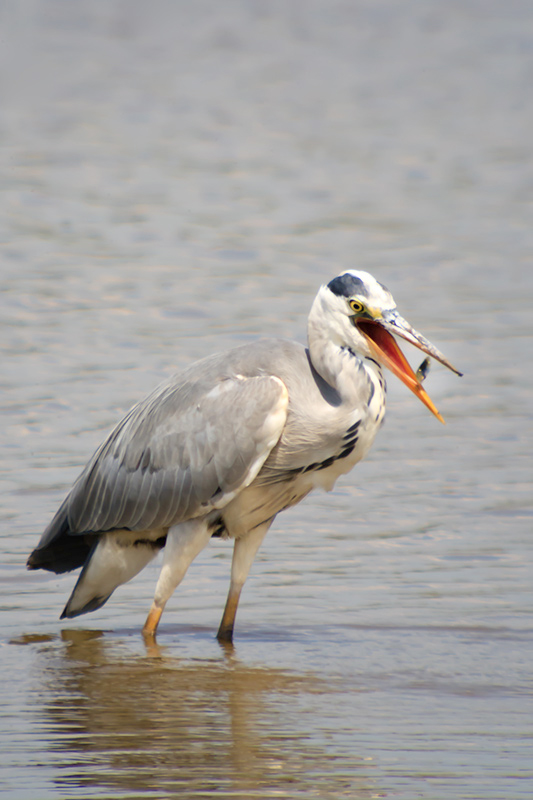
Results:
223 447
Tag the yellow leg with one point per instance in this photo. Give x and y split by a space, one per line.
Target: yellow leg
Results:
225 631
244 551
184 542
152 620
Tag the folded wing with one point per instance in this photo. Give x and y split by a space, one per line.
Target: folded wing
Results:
187 449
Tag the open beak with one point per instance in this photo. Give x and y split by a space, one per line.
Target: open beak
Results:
383 346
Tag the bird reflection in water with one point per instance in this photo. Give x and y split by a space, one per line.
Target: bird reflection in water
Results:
156 725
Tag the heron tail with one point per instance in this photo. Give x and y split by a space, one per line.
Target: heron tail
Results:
61 550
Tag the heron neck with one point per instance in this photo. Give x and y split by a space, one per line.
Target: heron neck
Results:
335 363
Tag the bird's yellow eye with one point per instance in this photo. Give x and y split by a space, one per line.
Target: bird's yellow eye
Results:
356 306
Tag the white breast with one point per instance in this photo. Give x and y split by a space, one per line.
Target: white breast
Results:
327 477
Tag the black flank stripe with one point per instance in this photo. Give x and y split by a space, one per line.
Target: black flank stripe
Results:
353 428
346 451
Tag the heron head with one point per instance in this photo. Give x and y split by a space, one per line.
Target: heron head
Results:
361 314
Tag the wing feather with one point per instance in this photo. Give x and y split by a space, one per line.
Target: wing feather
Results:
178 450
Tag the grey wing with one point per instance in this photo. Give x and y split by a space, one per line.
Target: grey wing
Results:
180 453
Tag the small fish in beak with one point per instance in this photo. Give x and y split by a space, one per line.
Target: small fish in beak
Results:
378 333
423 370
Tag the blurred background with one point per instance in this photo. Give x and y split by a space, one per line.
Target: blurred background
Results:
177 178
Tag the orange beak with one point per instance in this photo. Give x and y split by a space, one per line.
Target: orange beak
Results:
383 346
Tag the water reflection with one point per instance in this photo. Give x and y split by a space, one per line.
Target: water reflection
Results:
156 726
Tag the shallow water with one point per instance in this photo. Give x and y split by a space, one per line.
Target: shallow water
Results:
178 179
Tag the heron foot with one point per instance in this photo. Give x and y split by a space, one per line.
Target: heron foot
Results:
225 634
